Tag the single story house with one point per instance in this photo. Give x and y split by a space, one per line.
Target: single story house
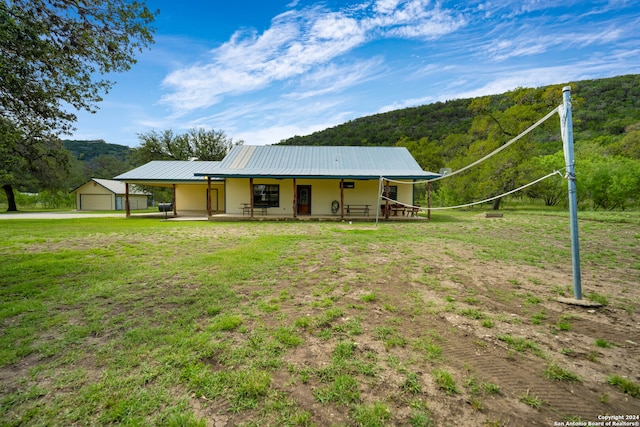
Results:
108 195
190 192
288 181
292 181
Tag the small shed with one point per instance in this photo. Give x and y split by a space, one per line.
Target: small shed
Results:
108 195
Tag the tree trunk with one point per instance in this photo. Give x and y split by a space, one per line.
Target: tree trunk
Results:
496 204
11 199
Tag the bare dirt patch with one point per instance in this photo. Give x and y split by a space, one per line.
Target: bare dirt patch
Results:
394 309
468 307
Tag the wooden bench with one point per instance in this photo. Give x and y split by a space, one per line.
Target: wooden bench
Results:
246 209
361 209
493 215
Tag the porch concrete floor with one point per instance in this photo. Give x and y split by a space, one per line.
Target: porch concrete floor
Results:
334 218
222 217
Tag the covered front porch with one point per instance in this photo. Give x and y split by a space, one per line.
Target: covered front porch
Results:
259 216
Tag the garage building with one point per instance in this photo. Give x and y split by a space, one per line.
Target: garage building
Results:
108 195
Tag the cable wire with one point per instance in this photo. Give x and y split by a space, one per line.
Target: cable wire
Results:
557 172
494 152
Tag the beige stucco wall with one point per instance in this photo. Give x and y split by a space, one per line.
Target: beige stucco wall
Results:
193 197
95 202
92 196
135 202
323 193
405 191
237 192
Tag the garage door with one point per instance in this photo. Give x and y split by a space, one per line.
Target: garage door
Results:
95 202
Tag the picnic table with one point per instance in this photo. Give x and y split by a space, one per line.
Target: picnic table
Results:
394 208
361 209
246 208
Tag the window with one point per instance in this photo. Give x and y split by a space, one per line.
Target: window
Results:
267 195
393 192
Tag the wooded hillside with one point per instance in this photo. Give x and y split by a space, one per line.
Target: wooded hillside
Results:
606 124
88 150
606 118
606 107
96 159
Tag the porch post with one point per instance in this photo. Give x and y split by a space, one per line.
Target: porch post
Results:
386 201
295 199
428 199
251 196
173 198
342 198
127 210
209 196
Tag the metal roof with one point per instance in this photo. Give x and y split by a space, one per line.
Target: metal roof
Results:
168 171
116 187
280 161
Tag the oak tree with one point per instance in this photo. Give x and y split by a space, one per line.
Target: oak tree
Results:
197 143
53 56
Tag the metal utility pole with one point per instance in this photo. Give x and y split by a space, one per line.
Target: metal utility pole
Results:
567 142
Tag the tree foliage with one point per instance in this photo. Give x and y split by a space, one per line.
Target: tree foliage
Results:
33 161
606 125
96 159
610 182
197 143
53 50
51 56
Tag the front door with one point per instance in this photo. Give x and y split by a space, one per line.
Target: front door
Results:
303 197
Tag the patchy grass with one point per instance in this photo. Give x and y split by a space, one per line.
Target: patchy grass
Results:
555 372
626 385
521 344
444 380
531 400
374 415
108 321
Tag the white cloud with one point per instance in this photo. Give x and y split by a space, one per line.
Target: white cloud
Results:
298 42
276 133
509 79
333 78
529 44
407 103
386 6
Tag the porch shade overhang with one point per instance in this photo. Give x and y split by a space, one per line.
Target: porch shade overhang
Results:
325 162
168 172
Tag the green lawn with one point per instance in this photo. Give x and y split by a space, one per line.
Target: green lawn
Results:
109 321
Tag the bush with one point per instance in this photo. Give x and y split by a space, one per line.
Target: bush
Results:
56 199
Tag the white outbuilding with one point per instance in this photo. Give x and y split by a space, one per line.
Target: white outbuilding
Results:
108 195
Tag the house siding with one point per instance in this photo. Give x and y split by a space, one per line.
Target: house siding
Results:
93 197
193 197
323 193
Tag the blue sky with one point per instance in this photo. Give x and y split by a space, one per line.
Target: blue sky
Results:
266 70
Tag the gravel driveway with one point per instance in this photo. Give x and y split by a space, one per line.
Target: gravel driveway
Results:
56 215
